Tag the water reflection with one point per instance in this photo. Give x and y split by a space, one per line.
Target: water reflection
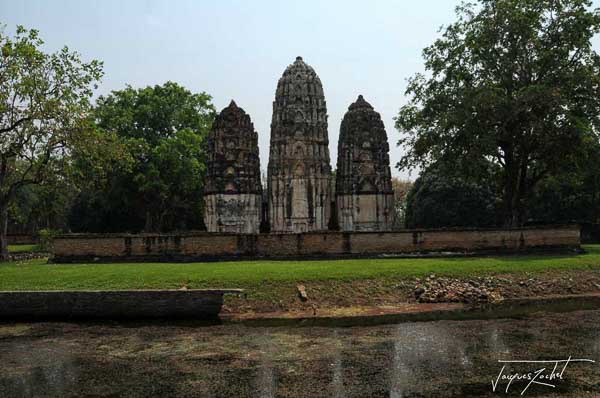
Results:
52 371
265 379
446 358
338 376
422 351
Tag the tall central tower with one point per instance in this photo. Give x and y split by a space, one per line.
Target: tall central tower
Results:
299 171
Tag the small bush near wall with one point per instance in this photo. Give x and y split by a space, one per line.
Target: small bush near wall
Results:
46 237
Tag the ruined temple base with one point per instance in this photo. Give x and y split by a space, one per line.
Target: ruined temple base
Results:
202 246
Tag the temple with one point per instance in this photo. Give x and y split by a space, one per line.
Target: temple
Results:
364 195
301 195
233 191
299 171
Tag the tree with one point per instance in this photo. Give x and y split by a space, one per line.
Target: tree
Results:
44 104
98 173
401 190
174 182
42 206
573 195
162 130
514 82
442 197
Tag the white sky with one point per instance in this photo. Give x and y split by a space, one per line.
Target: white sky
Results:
239 49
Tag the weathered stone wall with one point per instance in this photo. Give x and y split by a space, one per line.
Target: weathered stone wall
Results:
217 245
475 240
365 212
209 246
235 213
193 304
92 246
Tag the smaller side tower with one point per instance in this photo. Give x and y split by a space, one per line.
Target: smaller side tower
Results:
233 192
364 195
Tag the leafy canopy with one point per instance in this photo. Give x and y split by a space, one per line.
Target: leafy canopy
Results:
44 113
157 182
441 197
44 103
514 82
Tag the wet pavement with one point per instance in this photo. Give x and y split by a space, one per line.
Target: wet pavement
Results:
421 359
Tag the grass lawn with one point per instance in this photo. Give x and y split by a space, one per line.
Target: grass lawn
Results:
37 275
22 248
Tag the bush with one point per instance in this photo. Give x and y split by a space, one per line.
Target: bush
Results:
46 237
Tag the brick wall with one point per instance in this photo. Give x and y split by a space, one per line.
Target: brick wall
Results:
206 246
112 304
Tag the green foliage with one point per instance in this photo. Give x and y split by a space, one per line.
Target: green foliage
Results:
43 205
154 113
446 196
92 166
514 82
44 99
46 238
154 178
401 191
573 195
44 109
442 198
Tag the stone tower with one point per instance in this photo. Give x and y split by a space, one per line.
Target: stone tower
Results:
233 192
364 195
299 171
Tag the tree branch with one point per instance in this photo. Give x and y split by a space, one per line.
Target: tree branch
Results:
14 125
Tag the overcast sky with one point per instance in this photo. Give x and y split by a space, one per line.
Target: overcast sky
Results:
239 49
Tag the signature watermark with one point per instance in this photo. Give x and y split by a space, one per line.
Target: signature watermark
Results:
549 373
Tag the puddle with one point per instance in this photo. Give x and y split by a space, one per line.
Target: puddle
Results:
448 358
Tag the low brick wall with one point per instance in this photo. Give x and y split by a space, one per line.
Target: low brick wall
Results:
190 304
208 246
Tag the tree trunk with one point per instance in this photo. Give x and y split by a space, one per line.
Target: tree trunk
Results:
510 216
149 225
512 196
3 231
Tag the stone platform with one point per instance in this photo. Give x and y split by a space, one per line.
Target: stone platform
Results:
122 304
201 246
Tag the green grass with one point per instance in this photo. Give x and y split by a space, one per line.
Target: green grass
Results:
22 248
37 275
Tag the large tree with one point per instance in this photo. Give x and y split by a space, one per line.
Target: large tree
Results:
44 104
573 195
163 130
514 82
401 190
443 197
42 206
